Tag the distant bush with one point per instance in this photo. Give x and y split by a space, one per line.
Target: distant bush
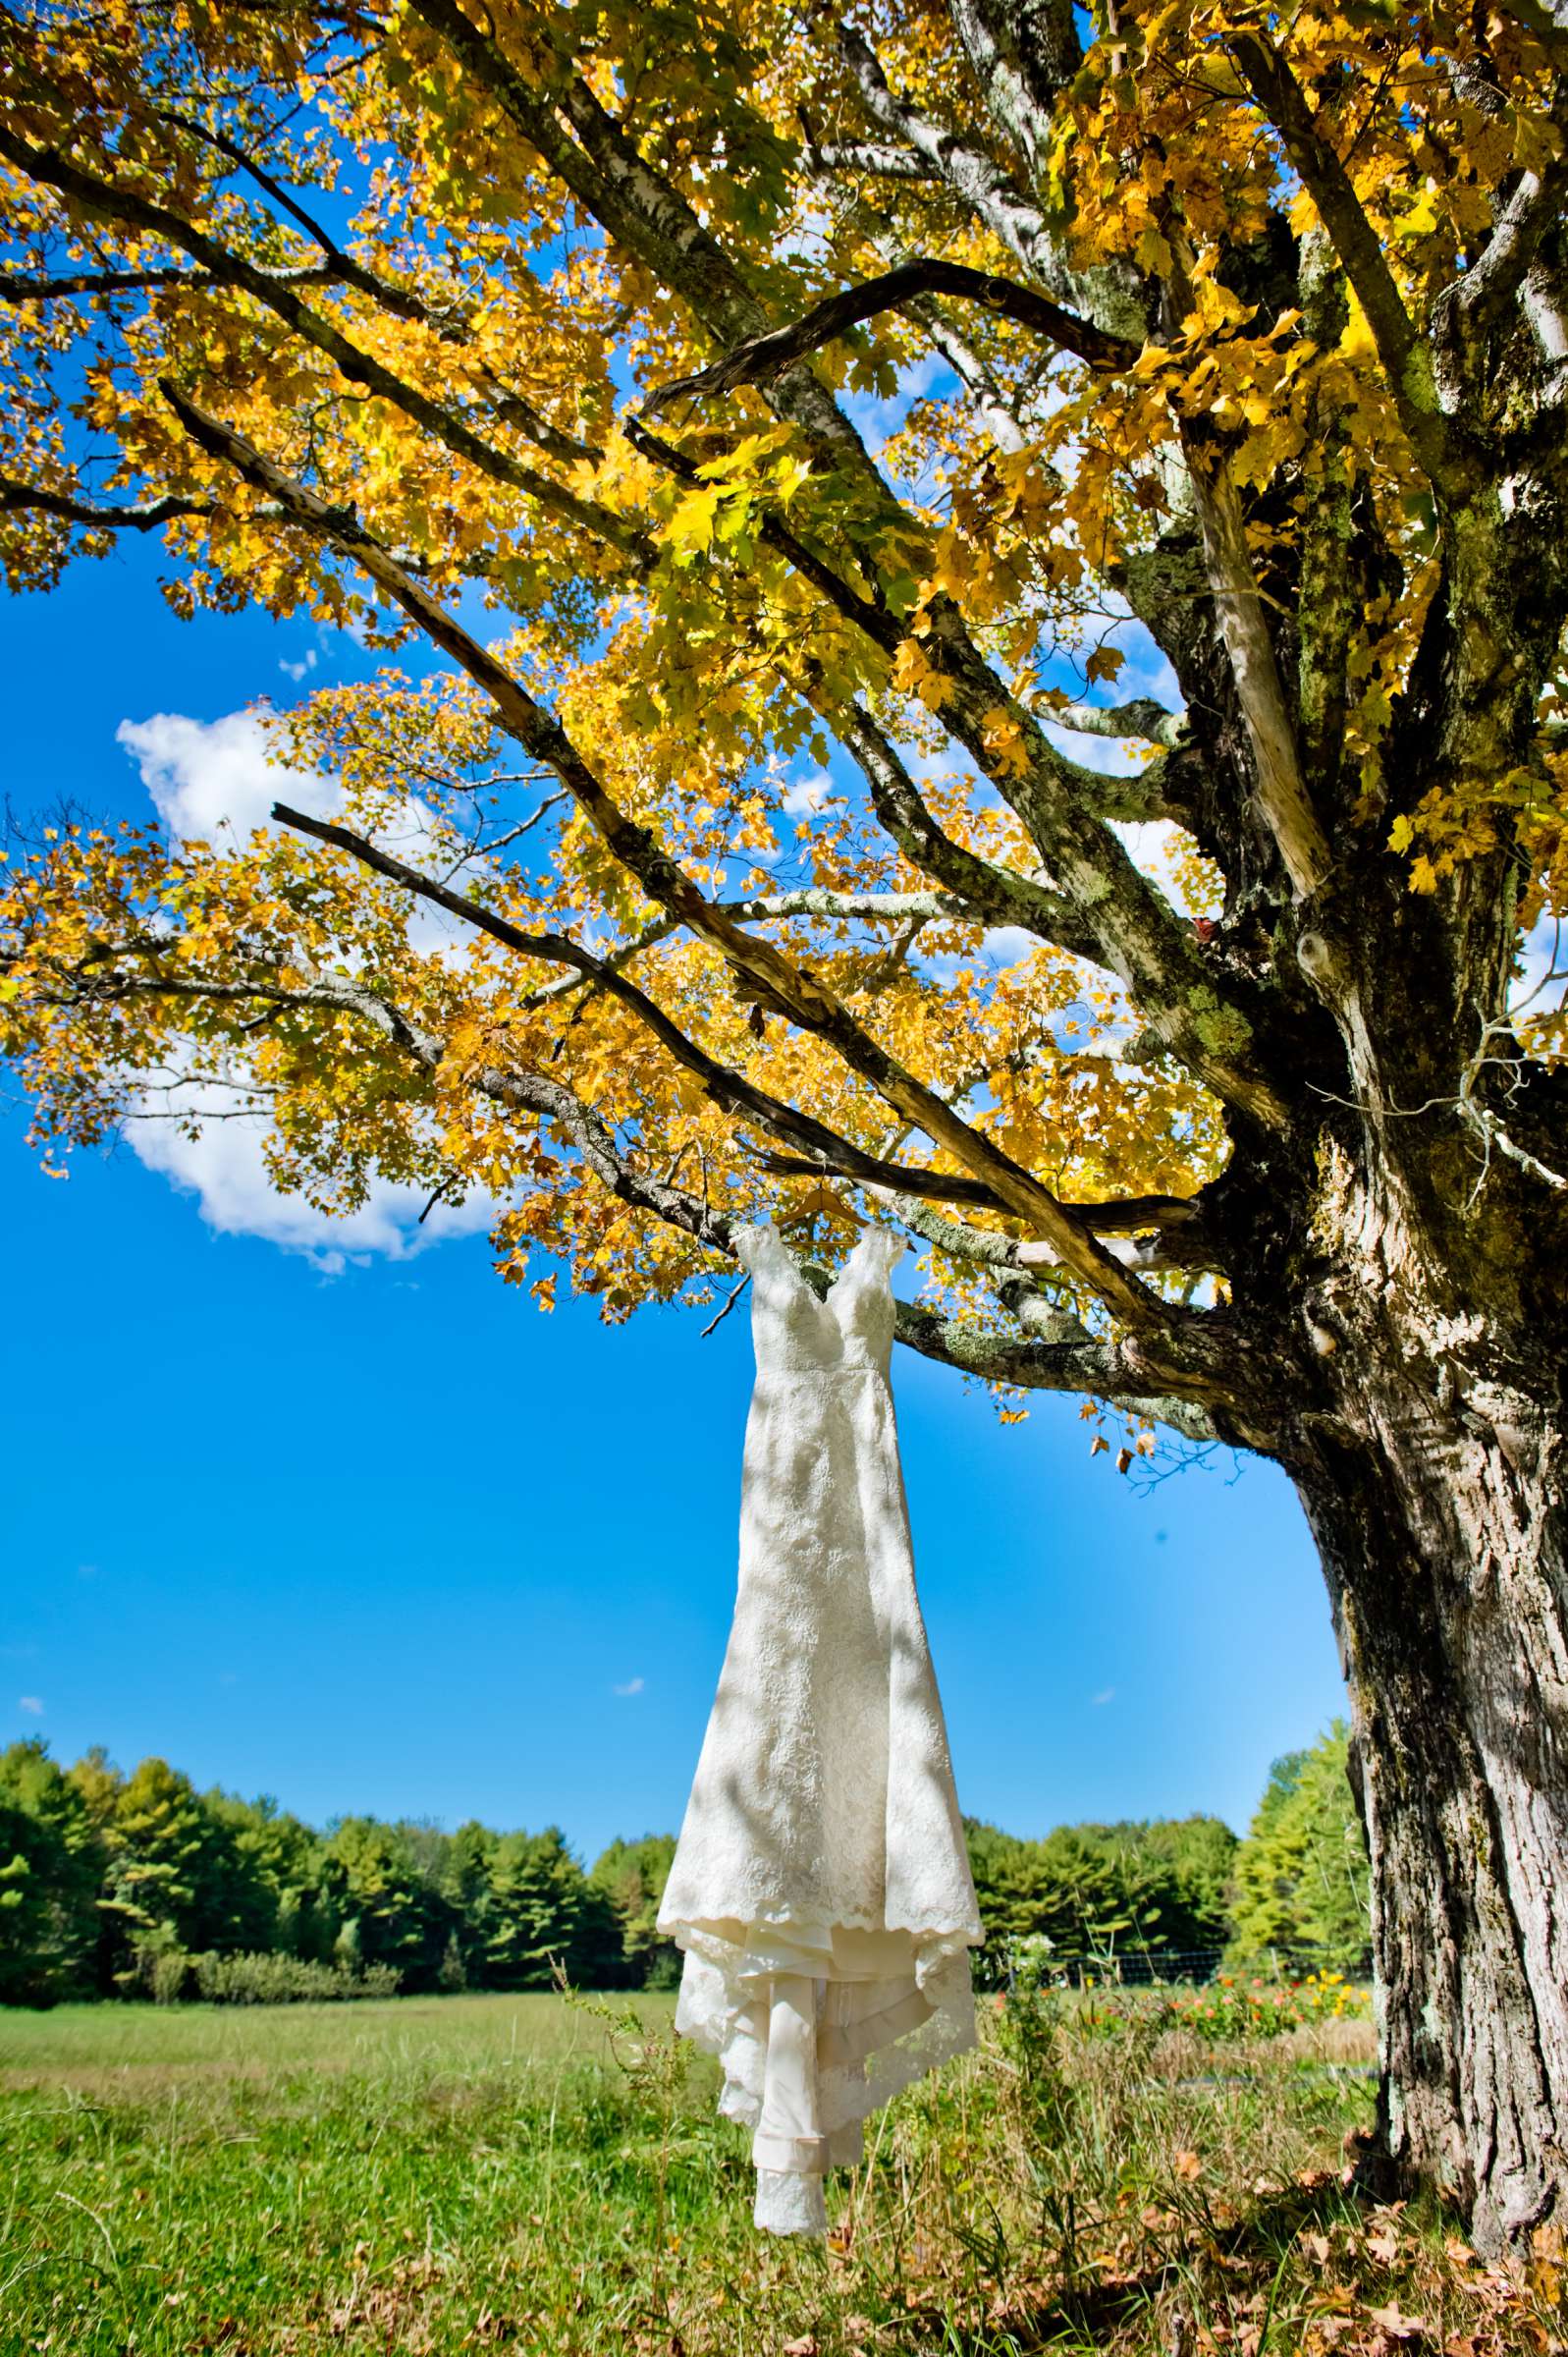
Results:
278 1980
167 1976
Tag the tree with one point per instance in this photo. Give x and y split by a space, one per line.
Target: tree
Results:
388 1913
174 1885
50 1863
279 1877
633 1875
1198 1853
1300 1877
1101 1890
1232 338
541 1911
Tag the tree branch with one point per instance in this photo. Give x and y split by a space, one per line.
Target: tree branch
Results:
20 286
1406 356
51 169
774 981
16 497
1070 1360
864 155
1271 733
345 269
1143 718
761 359
991 891
1138 936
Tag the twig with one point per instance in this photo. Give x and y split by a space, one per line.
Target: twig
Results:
720 1318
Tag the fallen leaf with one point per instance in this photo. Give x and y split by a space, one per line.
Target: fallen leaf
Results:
1399 2326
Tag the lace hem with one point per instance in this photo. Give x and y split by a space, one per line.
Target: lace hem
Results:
874 2038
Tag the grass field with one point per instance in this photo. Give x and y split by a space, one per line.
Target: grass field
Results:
512 2173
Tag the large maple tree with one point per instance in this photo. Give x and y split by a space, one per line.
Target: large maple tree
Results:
758 814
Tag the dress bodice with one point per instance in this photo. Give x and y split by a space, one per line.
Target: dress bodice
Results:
850 1332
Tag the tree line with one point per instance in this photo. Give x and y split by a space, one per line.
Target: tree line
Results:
141 1886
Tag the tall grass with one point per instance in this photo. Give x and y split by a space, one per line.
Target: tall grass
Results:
528 2174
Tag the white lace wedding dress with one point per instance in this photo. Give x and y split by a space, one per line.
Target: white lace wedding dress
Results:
821 1887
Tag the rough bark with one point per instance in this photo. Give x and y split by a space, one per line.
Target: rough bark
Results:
1438 1509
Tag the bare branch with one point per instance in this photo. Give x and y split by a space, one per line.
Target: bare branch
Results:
16 497
345 269
763 357
1143 718
1511 253
1281 789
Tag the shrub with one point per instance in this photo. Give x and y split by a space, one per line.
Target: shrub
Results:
279 1980
168 1976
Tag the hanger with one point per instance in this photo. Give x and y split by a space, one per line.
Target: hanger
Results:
820 1202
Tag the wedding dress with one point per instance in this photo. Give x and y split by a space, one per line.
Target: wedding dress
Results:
821 1887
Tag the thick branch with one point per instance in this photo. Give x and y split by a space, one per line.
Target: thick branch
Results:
1405 356
760 358
1149 1232
1282 791
1102 1370
1143 718
1484 292
21 285
865 155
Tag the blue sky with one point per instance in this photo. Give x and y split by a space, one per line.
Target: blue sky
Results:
364 1530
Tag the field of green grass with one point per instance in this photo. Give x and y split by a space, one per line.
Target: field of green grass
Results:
430 2176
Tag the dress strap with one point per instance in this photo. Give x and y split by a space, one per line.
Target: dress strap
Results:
752 1242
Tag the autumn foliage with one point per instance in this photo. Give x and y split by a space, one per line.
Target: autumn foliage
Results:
817 485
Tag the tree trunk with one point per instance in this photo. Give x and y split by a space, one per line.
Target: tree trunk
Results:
1438 1505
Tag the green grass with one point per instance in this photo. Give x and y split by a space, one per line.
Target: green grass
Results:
478 2172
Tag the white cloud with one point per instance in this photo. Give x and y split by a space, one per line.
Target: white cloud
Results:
811 792
1107 756
1154 845
1009 945
224 1169
212 782
206 776
633 1685
1104 1695
297 671
35 1708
